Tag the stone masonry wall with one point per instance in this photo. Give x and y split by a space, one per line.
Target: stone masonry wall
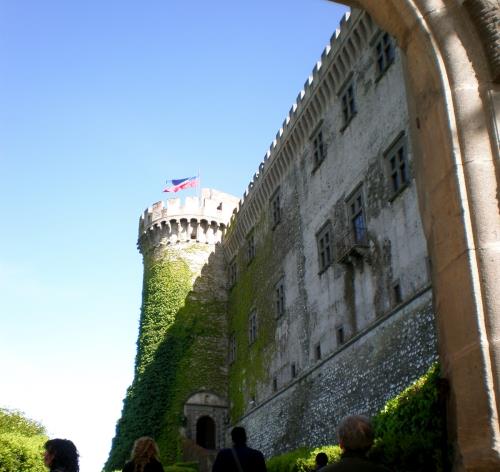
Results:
359 378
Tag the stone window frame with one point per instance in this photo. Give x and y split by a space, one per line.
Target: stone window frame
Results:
279 297
251 251
384 50
356 215
347 97
397 165
324 243
232 348
253 326
233 272
318 144
275 208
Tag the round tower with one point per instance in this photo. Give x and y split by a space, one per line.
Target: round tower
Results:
178 394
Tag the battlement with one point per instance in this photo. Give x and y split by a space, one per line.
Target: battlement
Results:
202 219
356 31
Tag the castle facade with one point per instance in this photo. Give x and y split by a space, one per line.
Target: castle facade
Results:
306 300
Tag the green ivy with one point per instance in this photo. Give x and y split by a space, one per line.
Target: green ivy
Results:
178 353
253 291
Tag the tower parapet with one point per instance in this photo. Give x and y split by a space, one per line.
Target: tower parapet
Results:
197 219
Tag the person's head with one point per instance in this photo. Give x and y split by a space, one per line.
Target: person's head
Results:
355 433
145 449
61 453
239 436
321 459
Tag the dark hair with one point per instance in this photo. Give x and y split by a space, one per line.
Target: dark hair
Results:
355 433
321 459
239 436
65 455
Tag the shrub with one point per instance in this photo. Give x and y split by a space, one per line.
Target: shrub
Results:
21 443
19 453
190 465
410 433
410 430
309 463
176 468
287 462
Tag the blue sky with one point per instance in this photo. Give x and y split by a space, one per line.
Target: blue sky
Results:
100 103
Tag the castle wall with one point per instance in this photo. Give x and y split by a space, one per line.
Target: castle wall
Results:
335 310
372 367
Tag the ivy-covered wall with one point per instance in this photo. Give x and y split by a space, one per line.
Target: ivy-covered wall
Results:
181 348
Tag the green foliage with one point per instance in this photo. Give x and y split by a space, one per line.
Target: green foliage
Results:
21 443
409 433
12 421
287 462
410 429
253 291
301 460
190 465
179 352
176 468
308 463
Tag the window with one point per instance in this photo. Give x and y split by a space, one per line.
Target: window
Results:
384 50
357 217
397 293
233 273
252 327
275 384
250 247
319 147
275 208
348 104
397 165
340 335
324 241
293 370
279 294
317 351
232 348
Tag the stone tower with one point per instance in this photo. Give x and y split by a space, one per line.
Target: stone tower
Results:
179 391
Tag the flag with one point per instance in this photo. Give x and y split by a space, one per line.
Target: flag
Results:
181 184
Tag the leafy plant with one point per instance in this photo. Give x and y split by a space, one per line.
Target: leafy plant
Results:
21 443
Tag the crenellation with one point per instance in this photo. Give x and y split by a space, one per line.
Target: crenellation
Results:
171 222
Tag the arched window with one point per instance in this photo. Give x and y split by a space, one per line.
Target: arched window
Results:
205 432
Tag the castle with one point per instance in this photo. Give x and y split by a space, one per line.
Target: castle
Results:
308 299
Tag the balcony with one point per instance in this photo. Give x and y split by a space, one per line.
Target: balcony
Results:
352 243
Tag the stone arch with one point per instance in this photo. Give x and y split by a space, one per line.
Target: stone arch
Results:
206 418
452 50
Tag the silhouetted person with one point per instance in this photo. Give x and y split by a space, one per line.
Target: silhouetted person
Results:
61 455
321 460
239 458
355 434
145 457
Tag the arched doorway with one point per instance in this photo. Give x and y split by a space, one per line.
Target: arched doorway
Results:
205 432
453 79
